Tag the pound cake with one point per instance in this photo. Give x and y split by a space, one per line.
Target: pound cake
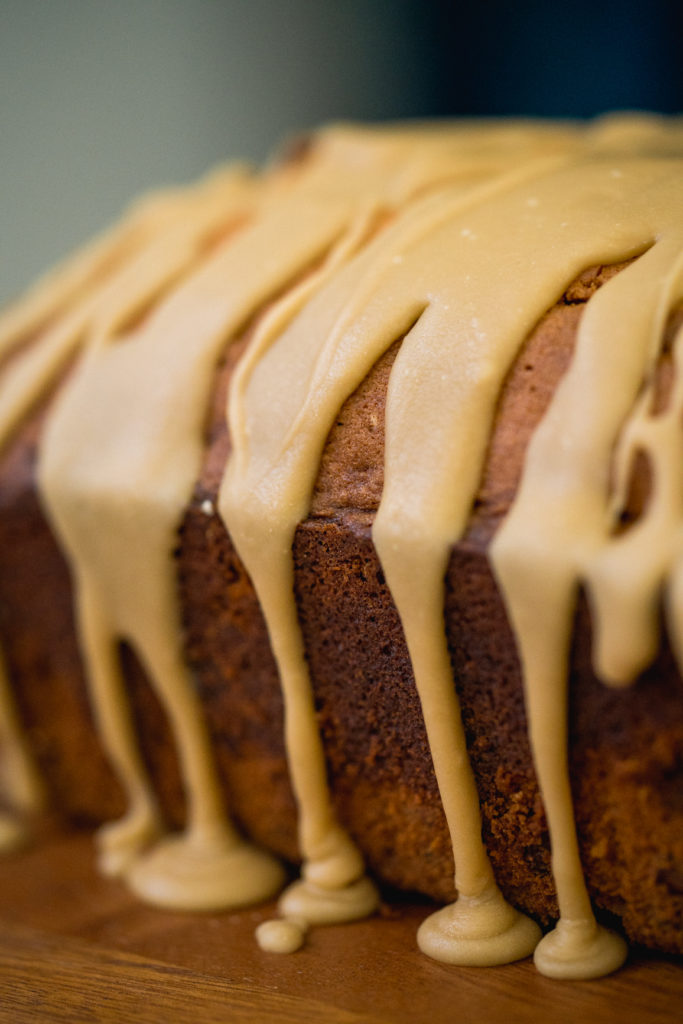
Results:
340 513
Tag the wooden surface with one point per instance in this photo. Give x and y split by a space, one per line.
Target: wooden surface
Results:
75 947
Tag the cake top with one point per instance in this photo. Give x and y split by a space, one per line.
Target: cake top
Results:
454 238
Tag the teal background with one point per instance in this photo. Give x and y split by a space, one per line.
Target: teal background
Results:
101 99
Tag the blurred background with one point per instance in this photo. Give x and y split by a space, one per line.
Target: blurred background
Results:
102 99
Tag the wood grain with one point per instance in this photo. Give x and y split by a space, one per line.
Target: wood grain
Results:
75 947
57 979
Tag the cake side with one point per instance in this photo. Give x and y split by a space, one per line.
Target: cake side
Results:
368 709
370 718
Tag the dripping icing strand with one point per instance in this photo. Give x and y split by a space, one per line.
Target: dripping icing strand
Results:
530 196
571 543
20 784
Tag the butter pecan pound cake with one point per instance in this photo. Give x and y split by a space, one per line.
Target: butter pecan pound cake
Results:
339 520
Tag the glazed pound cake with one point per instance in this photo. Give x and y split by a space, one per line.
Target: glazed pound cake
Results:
339 516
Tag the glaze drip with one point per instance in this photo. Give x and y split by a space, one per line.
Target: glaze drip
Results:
20 785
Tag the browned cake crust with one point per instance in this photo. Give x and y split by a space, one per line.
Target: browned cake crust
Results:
626 744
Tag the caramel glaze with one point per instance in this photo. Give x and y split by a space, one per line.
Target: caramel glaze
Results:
372 237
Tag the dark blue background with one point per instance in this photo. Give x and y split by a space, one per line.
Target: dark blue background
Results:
541 58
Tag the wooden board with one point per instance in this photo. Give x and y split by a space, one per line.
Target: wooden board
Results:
75 947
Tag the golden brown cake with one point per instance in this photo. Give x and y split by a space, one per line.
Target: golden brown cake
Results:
339 510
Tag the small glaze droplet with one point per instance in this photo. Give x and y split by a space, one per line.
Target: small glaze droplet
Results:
281 935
